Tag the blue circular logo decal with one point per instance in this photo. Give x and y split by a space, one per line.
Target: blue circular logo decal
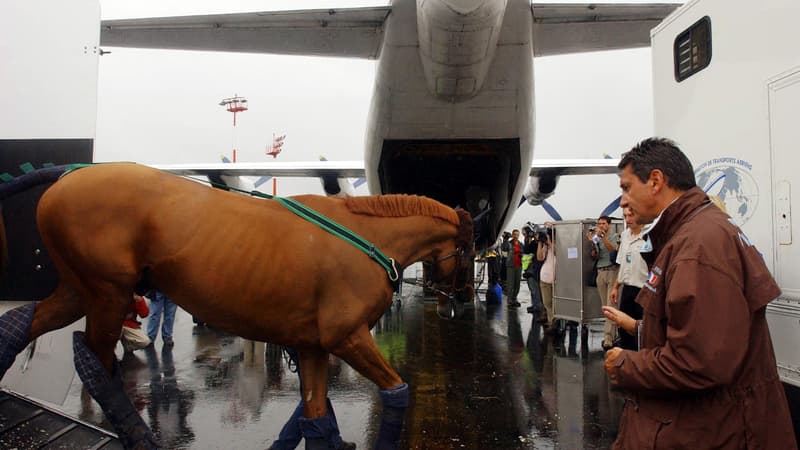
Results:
731 181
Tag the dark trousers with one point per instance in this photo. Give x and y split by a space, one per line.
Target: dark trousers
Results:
536 294
628 305
513 279
493 269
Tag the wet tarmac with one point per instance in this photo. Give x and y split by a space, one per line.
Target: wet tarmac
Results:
488 380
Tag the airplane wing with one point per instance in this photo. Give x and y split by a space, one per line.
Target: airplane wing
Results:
558 167
355 169
573 28
309 169
554 168
351 32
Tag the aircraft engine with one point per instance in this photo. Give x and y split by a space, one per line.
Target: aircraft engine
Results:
337 187
541 187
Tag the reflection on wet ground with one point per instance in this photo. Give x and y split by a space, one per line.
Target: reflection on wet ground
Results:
490 379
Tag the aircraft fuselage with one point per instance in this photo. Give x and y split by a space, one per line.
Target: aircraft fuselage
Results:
452 111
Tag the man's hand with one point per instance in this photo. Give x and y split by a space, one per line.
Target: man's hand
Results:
613 295
611 363
620 319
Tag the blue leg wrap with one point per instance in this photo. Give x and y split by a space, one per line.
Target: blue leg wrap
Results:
108 392
15 327
290 435
336 439
318 432
395 402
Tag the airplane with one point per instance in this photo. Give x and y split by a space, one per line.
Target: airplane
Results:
451 117
452 113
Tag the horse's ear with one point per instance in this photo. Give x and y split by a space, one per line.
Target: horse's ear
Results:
464 237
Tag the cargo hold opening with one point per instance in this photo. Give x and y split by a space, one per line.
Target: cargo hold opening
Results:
474 174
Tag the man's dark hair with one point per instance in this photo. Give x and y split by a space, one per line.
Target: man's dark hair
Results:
664 155
606 218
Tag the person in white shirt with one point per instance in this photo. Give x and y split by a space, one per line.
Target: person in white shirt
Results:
631 277
545 252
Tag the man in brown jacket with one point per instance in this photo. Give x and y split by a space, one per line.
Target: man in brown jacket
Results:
705 375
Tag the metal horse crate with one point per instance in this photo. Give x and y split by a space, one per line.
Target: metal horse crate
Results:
573 298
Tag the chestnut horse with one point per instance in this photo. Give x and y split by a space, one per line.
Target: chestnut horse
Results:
111 229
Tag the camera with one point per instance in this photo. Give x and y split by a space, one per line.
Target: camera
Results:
528 229
541 232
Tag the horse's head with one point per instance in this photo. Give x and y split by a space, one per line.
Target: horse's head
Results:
452 268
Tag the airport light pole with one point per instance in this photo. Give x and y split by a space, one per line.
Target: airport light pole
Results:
234 105
274 150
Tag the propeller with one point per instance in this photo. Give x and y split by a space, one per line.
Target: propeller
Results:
358 182
607 211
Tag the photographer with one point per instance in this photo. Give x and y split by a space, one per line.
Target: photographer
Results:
531 268
603 244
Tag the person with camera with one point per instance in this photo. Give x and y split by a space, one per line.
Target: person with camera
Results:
546 254
603 244
531 270
513 248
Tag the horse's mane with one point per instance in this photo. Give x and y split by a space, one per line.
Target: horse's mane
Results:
401 205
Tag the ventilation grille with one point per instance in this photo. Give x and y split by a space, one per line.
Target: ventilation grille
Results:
693 49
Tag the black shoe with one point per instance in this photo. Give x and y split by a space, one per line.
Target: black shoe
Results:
531 310
514 304
346 446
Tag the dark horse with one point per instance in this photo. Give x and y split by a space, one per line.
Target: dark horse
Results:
113 228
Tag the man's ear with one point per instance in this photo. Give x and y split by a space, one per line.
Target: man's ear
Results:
657 181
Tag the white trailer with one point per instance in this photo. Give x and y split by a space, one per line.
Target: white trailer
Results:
726 81
49 56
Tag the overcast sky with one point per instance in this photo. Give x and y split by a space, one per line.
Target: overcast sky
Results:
161 106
